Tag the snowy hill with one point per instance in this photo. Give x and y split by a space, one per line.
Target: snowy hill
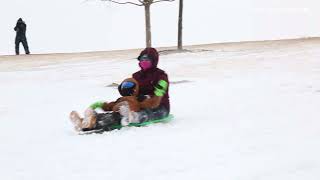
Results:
248 111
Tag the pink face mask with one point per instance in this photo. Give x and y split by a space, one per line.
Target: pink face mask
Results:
145 65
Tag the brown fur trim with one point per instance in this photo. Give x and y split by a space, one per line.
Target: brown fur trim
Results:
152 102
132 102
108 106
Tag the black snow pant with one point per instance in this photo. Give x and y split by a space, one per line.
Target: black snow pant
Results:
106 121
151 114
23 40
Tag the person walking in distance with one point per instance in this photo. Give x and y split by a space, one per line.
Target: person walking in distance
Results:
21 28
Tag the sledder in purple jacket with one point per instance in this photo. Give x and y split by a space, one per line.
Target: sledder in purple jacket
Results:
154 83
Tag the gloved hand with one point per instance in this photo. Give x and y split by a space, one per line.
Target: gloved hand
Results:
98 104
161 88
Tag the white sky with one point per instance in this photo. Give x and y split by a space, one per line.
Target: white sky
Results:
78 25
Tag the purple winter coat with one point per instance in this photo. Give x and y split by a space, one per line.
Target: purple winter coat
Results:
148 79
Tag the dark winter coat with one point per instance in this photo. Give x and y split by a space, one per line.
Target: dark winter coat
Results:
20 28
149 79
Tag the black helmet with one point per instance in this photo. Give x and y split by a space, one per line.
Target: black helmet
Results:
129 87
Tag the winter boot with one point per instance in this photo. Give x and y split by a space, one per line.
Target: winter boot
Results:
76 120
89 121
128 116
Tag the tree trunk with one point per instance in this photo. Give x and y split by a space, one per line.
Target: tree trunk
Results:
148 24
180 25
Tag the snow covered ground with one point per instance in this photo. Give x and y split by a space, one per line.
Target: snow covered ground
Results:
249 111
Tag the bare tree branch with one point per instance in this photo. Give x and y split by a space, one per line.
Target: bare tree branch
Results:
162 1
132 3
